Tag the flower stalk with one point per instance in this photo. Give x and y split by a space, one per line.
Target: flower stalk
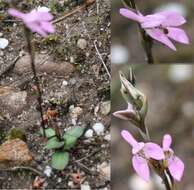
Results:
37 83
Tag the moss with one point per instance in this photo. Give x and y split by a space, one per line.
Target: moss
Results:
15 133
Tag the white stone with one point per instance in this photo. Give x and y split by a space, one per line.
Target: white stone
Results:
85 187
48 171
107 137
64 83
98 128
81 43
180 73
89 133
3 43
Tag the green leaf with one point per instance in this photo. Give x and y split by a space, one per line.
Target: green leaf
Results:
60 160
75 132
69 142
71 136
54 143
49 132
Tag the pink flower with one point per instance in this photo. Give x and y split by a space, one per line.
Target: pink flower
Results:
174 164
141 154
161 26
36 21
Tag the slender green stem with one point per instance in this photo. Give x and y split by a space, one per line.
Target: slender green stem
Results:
32 62
146 40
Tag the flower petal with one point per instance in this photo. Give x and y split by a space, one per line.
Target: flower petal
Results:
130 14
34 27
151 21
154 151
140 165
178 35
129 138
176 167
16 13
127 114
159 35
172 18
166 143
48 27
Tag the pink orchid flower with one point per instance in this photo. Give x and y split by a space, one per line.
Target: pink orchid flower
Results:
175 164
141 154
161 26
36 20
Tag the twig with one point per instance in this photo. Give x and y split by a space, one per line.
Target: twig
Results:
32 62
95 45
23 168
79 8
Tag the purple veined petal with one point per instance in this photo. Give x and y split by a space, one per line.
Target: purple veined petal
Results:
152 150
178 35
129 138
151 21
140 165
166 143
158 34
48 27
34 27
172 18
131 15
16 13
176 167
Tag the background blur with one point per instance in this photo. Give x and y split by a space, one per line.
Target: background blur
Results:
170 93
126 46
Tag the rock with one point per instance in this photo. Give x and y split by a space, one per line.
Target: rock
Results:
85 187
3 43
75 112
48 171
89 133
43 9
12 100
98 128
107 137
81 43
105 107
64 83
105 170
14 152
49 66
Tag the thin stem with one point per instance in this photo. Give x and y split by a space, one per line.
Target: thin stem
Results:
32 62
146 40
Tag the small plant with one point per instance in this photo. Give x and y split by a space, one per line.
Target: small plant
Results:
61 144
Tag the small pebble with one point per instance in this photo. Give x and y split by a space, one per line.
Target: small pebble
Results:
105 107
107 137
43 9
85 187
81 43
98 128
48 171
3 43
89 133
64 83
